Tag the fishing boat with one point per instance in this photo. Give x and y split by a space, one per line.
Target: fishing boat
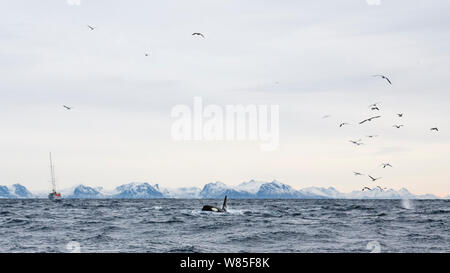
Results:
54 195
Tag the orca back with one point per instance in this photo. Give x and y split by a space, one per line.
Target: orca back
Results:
216 209
211 208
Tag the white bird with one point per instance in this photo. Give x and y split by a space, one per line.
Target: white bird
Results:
369 119
357 173
386 165
67 107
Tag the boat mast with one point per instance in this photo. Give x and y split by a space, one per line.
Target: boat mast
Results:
52 173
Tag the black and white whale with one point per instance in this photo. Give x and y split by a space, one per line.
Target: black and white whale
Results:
216 209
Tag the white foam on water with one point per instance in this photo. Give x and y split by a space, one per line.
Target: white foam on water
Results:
407 204
235 211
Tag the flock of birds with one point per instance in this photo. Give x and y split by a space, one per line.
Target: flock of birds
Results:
373 107
358 142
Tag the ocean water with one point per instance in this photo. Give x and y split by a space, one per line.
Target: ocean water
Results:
167 225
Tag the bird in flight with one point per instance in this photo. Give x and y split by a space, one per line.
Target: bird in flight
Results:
375 108
356 142
434 129
326 116
386 165
366 188
372 136
67 107
198 33
369 119
400 115
374 179
357 173
398 126
90 27
374 104
342 124
146 54
384 77
381 189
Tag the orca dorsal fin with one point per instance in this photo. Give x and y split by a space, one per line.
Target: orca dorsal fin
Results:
224 206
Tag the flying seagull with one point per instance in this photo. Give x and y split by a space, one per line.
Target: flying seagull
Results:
386 165
342 124
369 119
326 116
356 142
384 77
90 27
398 126
357 173
372 136
366 188
375 104
375 108
400 115
434 129
199 34
146 54
374 179
67 107
381 189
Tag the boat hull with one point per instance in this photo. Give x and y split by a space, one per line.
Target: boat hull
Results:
54 197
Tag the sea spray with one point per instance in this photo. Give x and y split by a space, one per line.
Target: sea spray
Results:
407 204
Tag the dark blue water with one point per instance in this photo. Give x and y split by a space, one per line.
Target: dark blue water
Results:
249 226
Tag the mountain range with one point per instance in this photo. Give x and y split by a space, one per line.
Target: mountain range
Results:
250 189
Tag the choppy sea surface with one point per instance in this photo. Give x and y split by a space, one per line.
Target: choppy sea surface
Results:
168 225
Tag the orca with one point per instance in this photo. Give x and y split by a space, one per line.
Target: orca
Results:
216 209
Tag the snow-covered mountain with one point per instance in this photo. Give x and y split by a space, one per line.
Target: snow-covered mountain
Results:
191 192
379 194
249 189
137 190
251 186
213 190
82 191
219 190
276 189
324 192
15 191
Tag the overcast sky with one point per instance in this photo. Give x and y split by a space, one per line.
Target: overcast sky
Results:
312 58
